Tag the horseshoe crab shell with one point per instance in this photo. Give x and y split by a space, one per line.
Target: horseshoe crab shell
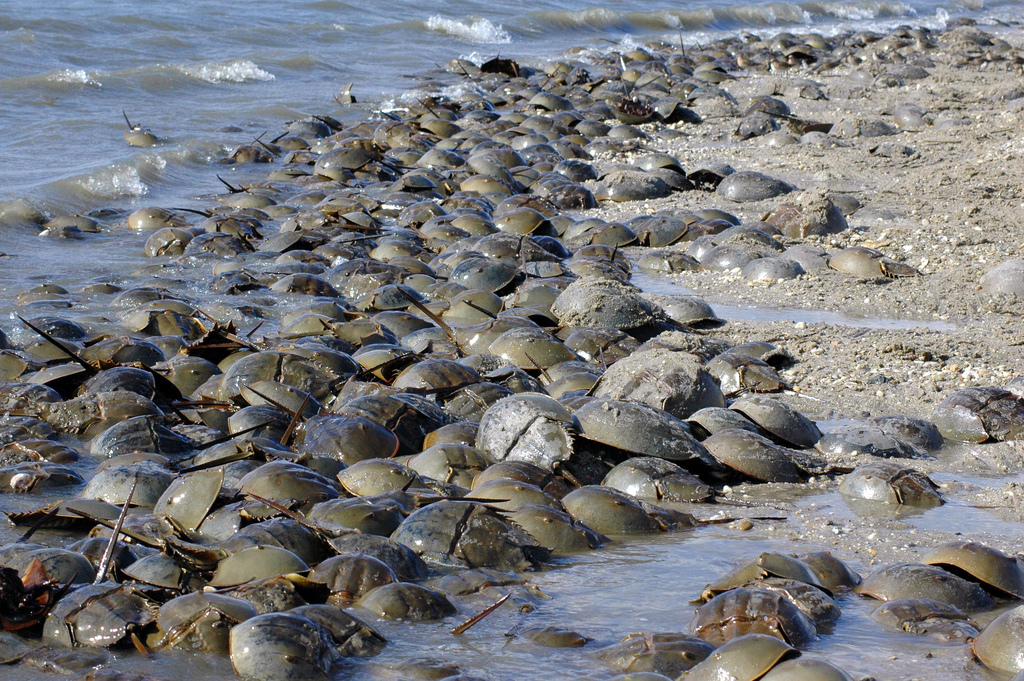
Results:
981 414
527 427
639 429
281 645
991 567
913 580
744 658
1001 645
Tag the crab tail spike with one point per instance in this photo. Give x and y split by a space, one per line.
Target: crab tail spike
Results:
53 341
296 418
108 553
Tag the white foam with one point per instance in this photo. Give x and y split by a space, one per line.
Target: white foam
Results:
80 76
240 71
119 182
472 30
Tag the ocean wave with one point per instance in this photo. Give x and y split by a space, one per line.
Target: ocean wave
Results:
238 71
123 182
471 30
79 76
599 19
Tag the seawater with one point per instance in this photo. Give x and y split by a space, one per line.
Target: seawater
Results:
206 76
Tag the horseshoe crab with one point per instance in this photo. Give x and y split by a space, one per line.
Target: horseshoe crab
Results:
759 458
890 483
744 658
140 434
402 601
767 565
281 645
590 301
779 420
745 186
653 479
377 476
463 534
99 615
610 511
409 417
926 617
913 580
639 429
351 576
833 573
94 413
996 571
400 558
981 414
737 373
806 669
1001 643
676 382
450 462
868 263
346 439
508 495
339 517
199 622
856 439
555 529
532 428
749 610
668 654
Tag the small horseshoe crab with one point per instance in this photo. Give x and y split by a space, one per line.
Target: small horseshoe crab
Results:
850 441
610 511
738 373
755 456
867 263
634 428
300 645
411 602
199 622
676 382
767 565
653 479
778 420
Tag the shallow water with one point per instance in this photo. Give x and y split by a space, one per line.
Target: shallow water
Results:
632 586
190 70
750 313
